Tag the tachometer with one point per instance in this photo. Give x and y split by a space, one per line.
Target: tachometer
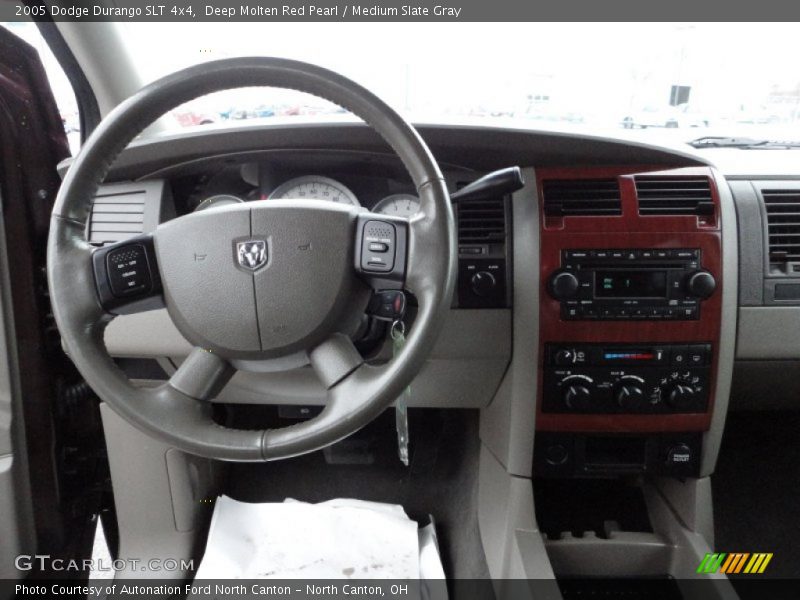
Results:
314 187
218 200
398 205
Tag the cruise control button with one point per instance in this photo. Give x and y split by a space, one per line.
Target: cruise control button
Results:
378 247
128 273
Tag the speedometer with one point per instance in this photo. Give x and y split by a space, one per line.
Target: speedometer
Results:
314 187
398 205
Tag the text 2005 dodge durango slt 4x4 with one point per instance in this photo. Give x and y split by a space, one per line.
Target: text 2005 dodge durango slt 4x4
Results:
257 325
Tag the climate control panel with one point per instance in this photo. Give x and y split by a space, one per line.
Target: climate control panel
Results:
626 379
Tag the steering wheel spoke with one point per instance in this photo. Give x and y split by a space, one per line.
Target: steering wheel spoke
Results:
126 276
202 375
334 359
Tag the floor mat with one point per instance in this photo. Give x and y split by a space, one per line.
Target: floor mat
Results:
756 486
440 481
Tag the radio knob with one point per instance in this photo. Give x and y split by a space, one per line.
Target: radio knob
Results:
482 283
680 397
564 285
701 284
577 397
630 397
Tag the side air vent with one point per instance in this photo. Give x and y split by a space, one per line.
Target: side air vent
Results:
783 224
116 216
482 221
573 197
124 210
674 196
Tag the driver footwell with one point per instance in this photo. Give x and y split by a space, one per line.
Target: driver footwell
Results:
441 479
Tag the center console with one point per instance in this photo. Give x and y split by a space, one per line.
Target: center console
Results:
630 317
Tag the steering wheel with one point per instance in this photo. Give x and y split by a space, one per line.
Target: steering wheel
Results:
254 281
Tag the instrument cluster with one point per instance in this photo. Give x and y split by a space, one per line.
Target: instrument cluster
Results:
306 187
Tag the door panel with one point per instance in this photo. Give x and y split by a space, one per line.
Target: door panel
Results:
32 141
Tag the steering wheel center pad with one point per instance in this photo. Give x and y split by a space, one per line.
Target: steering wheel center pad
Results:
262 279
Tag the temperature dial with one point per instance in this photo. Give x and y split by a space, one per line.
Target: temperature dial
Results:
577 392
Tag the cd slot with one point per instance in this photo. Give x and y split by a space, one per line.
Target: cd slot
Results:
638 266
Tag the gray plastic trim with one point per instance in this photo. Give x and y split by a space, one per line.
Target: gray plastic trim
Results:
674 548
769 332
751 243
727 337
508 423
159 495
511 541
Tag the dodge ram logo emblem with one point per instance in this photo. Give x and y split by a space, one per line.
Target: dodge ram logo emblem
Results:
251 254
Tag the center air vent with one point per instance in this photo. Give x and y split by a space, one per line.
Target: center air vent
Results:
592 197
783 223
674 196
482 221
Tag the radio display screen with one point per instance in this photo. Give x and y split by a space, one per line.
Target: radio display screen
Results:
630 284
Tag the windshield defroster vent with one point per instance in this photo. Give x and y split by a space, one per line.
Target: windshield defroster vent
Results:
482 221
674 196
783 224
575 197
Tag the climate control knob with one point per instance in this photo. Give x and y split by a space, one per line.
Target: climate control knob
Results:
680 397
564 357
577 397
563 285
700 284
630 397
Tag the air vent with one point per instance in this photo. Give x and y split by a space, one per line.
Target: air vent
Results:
482 221
674 196
116 215
783 223
589 197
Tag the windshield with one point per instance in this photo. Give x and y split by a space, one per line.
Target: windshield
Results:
699 79
657 81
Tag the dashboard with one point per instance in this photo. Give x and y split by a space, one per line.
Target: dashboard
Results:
605 304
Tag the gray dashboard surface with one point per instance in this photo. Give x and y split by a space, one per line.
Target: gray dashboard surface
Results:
476 147
464 369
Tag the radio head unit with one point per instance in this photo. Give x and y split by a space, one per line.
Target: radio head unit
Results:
631 283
